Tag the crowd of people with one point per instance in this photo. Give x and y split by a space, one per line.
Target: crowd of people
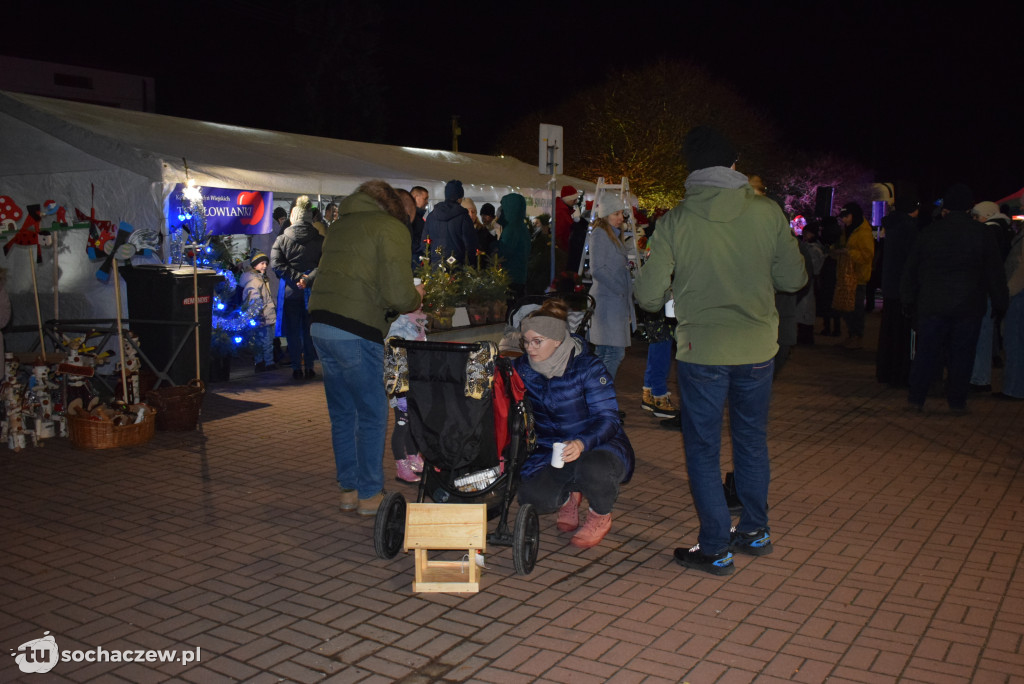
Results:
726 283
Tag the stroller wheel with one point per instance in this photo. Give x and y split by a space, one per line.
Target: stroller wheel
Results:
525 540
389 527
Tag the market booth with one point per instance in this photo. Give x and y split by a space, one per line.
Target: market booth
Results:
118 166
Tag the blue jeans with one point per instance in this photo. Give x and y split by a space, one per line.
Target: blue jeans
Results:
703 391
982 373
296 327
263 344
957 336
1013 342
354 384
659 360
610 356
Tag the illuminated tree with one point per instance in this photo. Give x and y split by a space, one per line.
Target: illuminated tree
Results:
633 125
797 185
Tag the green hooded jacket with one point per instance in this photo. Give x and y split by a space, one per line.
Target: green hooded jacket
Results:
724 251
364 280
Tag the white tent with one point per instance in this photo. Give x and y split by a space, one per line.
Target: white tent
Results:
125 164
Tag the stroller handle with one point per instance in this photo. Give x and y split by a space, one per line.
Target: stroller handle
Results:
438 346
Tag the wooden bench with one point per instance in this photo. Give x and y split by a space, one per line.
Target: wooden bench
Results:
440 527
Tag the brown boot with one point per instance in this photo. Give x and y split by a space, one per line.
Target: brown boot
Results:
569 513
349 500
594 530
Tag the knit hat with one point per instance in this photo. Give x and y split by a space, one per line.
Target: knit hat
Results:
985 210
280 213
487 209
958 197
258 258
302 212
705 147
609 204
453 191
568 191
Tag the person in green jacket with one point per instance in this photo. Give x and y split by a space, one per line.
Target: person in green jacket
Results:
721 254
363 283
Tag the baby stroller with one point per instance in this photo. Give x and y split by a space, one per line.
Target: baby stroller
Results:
473 425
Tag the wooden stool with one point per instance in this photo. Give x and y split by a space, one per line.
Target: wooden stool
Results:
446 527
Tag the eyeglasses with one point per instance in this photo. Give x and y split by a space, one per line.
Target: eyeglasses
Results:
534 342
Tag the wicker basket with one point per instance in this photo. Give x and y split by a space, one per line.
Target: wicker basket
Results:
177 408
96 434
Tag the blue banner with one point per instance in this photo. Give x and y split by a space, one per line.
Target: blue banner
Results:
228 212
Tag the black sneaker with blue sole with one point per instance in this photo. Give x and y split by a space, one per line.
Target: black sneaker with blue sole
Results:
695 559
756 543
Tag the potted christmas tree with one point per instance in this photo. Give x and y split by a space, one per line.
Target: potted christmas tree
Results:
442 289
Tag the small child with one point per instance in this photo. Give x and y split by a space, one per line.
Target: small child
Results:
256 294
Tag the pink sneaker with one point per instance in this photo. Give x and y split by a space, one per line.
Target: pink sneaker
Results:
415 462
569 513
594 530
404 472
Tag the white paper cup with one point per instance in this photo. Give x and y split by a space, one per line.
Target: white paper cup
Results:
556 454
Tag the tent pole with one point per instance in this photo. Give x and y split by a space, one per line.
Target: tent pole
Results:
35 292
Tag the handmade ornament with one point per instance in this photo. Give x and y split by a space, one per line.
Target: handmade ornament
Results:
10 214
28 235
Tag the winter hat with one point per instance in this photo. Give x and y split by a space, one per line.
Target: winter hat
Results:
958 197
453 191
280 213
705 147
258 258
568 191
608 205
487 209
302 212
985 210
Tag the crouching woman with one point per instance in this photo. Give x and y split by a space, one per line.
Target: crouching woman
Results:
574 404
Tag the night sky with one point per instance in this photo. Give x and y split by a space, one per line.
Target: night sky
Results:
908 89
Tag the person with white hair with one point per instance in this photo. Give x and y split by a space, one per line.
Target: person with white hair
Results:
294 258
996 224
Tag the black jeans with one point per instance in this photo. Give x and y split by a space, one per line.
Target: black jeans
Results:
596 473
957 335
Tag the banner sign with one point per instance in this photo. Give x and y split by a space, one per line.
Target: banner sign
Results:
228 212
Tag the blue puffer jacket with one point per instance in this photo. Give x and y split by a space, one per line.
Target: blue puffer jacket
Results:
580 404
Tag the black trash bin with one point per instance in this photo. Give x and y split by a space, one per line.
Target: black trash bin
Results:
164 293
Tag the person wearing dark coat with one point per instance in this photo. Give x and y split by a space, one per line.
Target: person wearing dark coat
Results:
421 197
294 258
449 231
953 269
576 413
892 361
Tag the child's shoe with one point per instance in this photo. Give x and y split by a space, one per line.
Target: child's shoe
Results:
415 462
404 472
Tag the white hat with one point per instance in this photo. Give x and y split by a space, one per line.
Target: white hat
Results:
609 204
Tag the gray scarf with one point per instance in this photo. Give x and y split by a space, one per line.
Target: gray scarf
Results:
554 365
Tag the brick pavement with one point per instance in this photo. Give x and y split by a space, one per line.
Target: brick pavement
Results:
896 535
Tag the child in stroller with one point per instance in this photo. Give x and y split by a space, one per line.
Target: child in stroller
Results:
468 417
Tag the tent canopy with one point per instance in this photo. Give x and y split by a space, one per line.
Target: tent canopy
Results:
43 135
